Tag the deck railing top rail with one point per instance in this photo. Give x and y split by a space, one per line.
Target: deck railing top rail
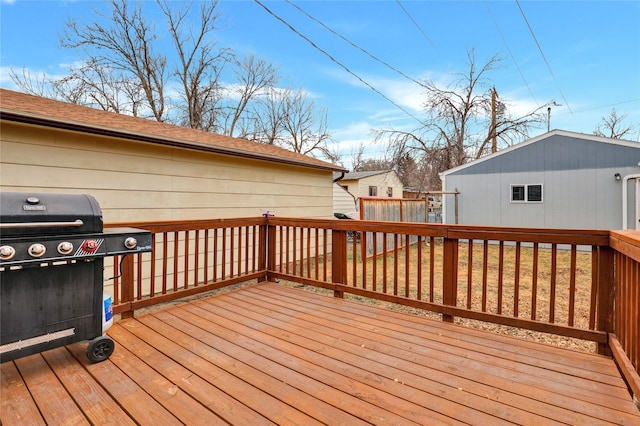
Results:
541 235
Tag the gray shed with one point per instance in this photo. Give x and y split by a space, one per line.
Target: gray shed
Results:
557 180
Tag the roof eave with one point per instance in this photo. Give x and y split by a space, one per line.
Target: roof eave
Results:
70 125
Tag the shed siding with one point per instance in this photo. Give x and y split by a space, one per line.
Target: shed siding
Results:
139 181
577 174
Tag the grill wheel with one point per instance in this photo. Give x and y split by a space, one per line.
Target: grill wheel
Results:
100 348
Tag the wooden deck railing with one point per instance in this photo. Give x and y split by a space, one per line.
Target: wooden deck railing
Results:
579 284
470 272
625 338
189 258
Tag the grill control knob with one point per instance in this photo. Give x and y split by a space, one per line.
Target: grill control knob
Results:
37 250
65 247
90 246
130 243
7 252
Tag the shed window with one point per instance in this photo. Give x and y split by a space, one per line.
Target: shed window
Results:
526 193
390 191
373 191
534 193
517 192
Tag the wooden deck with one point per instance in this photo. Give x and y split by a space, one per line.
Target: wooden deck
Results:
269 354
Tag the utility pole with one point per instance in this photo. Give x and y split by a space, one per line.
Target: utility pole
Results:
494 102
552 103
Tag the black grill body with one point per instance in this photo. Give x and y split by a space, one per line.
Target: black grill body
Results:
52 250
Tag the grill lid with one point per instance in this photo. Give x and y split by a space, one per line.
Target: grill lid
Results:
24 214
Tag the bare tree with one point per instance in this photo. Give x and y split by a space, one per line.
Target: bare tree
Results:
199 62
124 45
253 76
357 157
612 126
459 125
373 165
88 84
305 127
124 69
269 114
95 85
37 85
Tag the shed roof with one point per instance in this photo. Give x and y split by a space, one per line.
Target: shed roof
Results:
558 135
29 109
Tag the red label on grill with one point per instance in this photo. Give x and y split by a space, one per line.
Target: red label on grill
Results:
89 247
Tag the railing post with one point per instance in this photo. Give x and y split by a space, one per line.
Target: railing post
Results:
339 259
606 295
127 285
271 248
262 251
450 275
267 249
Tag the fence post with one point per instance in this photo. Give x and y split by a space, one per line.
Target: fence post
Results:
606 295
339 259
127 285
450 275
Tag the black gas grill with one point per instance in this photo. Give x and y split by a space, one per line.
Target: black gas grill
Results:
52 250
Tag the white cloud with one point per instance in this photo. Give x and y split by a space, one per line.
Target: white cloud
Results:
5 80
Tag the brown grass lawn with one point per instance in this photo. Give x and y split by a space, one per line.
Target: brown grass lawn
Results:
499 295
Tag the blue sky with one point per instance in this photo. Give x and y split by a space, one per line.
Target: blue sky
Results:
586 58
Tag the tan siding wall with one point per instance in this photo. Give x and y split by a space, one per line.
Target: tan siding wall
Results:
360 188
343 202
382 182
139 181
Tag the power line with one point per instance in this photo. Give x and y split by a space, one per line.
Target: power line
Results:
375 58
337 62
608 105
416 24
544 57
504 40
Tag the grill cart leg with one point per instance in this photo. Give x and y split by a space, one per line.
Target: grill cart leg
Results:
100 348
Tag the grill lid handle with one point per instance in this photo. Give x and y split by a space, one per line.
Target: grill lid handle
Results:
75 223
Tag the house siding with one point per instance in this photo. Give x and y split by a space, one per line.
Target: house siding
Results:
577 174
343 202
136 181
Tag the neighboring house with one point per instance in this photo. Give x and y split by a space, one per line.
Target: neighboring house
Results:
556 180
381 183
142 170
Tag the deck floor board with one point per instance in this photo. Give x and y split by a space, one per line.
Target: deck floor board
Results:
271 354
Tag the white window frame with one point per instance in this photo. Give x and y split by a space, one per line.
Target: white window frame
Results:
526 193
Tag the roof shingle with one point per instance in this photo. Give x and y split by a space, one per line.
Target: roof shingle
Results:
21 107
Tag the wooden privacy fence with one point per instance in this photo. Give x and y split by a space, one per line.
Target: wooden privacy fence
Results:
576 283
